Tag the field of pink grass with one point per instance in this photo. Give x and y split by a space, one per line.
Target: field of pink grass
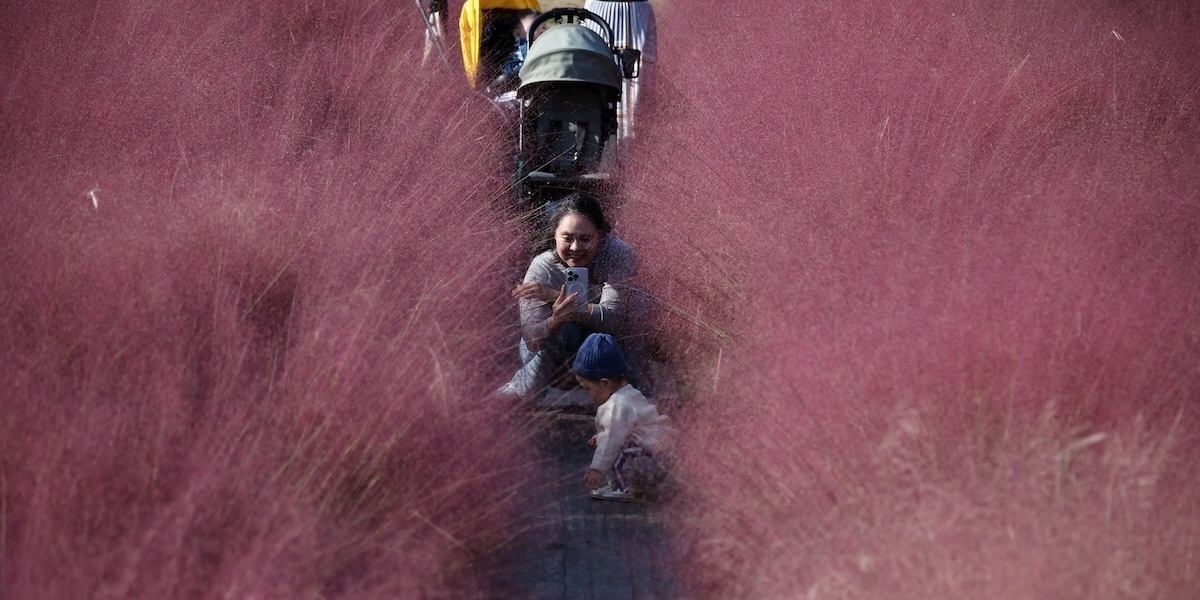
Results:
254 277
931 272
928 272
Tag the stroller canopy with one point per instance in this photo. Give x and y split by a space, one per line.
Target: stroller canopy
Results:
570 52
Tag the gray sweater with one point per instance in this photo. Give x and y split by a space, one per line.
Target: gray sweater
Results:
609 277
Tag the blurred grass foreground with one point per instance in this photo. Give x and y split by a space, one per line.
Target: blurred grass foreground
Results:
248 310
927 273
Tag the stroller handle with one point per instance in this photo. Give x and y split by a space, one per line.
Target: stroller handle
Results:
580 14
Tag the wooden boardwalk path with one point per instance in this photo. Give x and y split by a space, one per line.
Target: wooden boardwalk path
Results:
577 547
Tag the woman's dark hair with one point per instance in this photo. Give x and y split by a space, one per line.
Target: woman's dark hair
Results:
578 203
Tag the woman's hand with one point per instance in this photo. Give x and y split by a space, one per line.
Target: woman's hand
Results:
593 479
592 441
535 291
566 309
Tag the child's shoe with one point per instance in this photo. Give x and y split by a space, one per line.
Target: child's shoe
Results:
608 492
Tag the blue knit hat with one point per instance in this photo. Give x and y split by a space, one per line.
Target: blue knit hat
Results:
599 357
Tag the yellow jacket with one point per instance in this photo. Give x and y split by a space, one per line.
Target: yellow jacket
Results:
470 28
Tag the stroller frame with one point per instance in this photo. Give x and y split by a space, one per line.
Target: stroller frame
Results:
568 97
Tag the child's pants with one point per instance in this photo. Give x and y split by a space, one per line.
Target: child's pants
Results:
638 469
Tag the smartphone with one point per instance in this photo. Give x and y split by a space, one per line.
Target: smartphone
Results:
577 283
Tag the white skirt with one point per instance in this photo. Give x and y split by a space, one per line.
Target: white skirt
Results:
632 24
633 27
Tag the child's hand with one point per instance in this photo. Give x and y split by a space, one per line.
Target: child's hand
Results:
593 479
592 442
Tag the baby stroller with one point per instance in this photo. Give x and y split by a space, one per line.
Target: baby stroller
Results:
570 88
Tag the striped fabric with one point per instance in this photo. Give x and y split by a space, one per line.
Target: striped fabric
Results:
623 468
632 23
636 469
633 27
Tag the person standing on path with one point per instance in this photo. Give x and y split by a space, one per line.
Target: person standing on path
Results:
632 22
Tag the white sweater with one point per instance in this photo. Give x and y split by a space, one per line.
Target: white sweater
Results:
627 416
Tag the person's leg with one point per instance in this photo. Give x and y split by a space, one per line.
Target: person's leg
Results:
531 380
623 469
635 470
633 26
646 471
532 376
617 488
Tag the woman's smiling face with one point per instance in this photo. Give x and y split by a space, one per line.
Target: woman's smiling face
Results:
576 239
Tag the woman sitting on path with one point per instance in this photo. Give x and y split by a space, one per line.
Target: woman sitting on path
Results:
553 323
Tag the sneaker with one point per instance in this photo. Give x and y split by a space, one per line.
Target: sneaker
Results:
608 492
507 393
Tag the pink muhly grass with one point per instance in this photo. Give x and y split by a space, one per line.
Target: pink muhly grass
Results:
930 273
254 286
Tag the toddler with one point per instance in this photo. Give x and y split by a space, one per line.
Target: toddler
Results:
631 435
